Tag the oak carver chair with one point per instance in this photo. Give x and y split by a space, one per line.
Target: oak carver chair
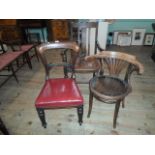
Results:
114 84
58 93
86 35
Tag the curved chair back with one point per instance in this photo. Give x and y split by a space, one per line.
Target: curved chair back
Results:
117 61
68 45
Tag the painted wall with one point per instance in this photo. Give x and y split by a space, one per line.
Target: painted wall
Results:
130 24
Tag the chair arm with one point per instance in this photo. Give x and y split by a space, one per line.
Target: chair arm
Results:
136 67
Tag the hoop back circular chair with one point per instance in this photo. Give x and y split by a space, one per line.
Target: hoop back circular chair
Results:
110 87
58 93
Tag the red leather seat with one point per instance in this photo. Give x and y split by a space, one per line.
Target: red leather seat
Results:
59 92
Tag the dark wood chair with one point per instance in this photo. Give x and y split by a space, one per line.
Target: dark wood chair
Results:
58 93
86 34
110 87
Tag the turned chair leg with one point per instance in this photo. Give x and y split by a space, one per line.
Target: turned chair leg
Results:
41 115
117 105
90 103
80 114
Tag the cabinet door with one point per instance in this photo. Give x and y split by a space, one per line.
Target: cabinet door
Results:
58 30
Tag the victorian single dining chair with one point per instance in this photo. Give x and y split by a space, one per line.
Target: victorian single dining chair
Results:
58 93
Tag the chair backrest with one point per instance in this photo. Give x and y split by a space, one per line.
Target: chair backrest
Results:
67 46
115 62
85 34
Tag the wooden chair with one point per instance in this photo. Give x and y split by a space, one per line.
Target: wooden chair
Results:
110 87
58 93
86 34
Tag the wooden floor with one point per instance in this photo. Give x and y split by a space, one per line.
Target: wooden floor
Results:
138 117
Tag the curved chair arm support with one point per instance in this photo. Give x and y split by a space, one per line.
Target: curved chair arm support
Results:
118 55
139 67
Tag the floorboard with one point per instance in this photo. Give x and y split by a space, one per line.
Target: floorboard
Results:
137 118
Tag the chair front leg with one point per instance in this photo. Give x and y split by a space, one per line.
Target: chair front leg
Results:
80 114
117 105
41 115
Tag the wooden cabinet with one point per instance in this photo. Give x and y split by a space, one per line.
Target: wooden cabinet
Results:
58 29
8 22
9 30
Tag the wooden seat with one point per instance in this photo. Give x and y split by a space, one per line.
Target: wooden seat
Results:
113 85
58 92
86 34
107 86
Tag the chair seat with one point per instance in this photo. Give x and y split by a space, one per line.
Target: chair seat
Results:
108 87
59 93
82 65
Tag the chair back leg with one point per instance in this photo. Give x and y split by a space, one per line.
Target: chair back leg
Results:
90 103
123 103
